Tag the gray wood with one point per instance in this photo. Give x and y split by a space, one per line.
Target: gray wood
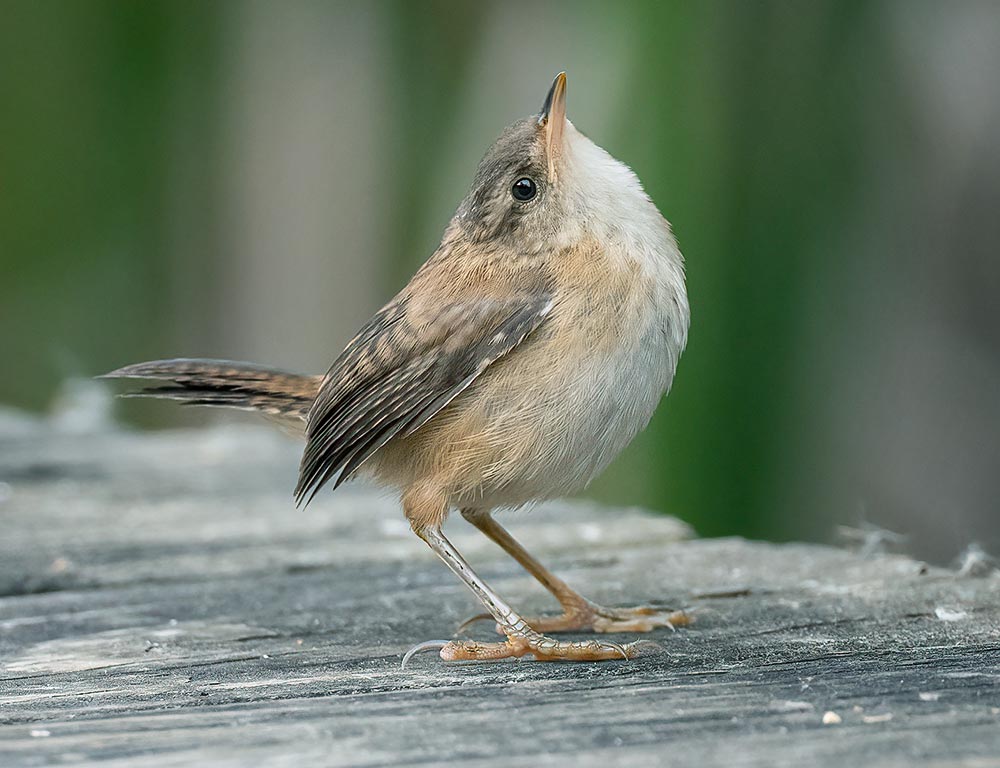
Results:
163 603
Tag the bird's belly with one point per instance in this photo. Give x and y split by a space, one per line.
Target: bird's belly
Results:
568 432
546 421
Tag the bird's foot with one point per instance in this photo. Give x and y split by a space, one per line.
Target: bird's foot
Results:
585 616
532 643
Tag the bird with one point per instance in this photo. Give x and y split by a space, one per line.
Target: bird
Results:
519 360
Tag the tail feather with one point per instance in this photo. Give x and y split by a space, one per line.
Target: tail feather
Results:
225 383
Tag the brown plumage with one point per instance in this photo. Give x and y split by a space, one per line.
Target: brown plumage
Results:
401 370
282 395
514 366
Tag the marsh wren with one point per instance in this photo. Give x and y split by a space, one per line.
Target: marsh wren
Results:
522 357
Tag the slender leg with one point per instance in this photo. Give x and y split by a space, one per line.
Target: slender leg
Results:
579 614
521 638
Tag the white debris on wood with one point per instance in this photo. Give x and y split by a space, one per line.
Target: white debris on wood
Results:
945 613
929 695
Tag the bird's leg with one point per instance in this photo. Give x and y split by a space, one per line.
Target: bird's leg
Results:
579 613
521 638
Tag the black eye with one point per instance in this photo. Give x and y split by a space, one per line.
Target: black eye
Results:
524 189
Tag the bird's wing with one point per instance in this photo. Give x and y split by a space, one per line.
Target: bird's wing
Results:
401 369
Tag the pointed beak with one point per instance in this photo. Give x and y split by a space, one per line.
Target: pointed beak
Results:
554 108
553 119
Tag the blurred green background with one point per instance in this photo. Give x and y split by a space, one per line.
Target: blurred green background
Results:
251 180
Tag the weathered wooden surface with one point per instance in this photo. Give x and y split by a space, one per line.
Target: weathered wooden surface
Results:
163 603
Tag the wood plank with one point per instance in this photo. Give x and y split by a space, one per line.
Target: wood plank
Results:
163 603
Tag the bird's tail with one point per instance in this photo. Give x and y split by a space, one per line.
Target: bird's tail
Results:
281 395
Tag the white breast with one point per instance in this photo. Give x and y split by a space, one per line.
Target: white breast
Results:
618 382
609 205
571 400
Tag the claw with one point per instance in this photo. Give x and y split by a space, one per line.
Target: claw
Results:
683 617
425 646
620 648
472 620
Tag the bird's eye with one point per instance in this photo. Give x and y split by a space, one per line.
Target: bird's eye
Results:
524 189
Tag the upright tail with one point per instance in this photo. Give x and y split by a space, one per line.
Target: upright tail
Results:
285 396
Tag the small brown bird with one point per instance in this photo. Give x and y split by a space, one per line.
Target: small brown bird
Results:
515 365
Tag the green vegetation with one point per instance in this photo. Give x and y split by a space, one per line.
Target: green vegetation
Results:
752 124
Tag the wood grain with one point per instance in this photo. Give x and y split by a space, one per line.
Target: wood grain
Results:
163 603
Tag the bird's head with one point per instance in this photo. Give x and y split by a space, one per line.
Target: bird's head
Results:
544 185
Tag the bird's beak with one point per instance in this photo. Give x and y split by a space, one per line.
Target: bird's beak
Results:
553 119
